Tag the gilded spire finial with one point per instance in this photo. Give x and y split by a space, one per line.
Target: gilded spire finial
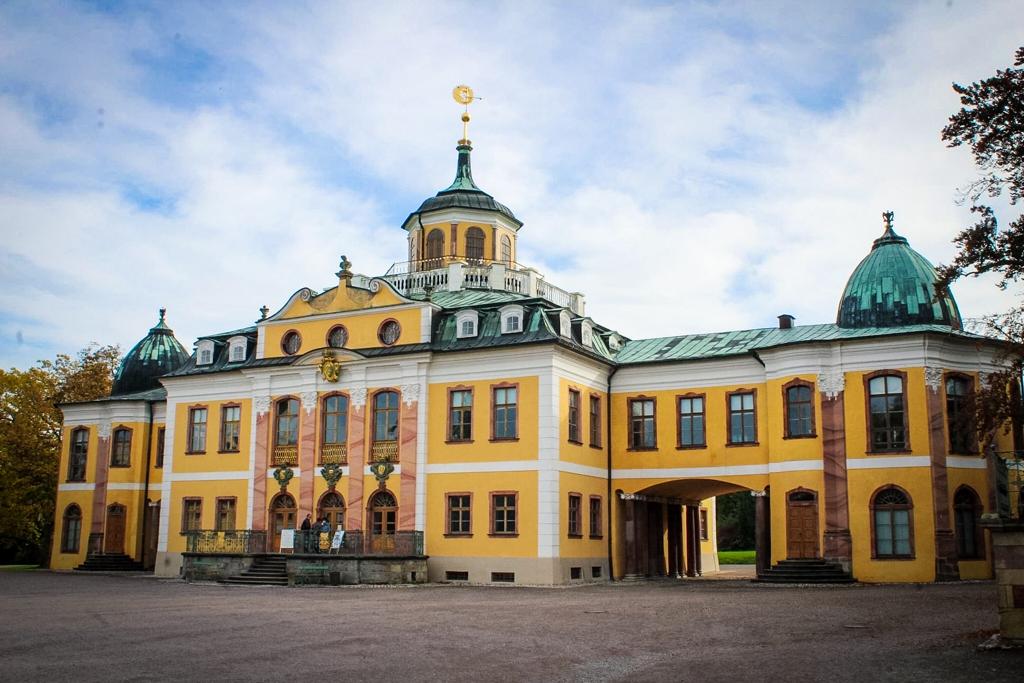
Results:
463 94
888 217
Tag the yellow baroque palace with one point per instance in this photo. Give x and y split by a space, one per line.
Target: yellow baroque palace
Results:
463 409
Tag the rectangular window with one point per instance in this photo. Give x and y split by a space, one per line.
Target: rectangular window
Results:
574 416
230 427
503 513
742 424
887 426
191 514
595 421
78 455
505 413
704 524
691 422
160 440
958 415
459 520
642 434
595 517
197 430
799 400
460 415
225 514
121 451
575 514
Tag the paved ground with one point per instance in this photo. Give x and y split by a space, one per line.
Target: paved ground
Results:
83 627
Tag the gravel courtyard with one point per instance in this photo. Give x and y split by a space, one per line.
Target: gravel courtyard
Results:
87 627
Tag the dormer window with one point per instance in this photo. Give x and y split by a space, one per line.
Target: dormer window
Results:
204 352
565 324
511 319
237 347
615 342
586 333
466 324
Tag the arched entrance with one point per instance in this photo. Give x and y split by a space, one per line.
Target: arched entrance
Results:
802 524
282 516
383 509
332 506
113 538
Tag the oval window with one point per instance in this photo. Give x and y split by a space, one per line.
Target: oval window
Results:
291 343
389 332
337 337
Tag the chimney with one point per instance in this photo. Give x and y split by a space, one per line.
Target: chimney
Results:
786 321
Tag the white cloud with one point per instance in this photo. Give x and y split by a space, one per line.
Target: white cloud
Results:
689 168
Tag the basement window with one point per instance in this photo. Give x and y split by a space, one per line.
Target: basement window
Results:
503 577
456 576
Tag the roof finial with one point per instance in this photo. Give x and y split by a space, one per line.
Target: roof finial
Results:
163 314
264 310
889 235
345 268
463 94
888 216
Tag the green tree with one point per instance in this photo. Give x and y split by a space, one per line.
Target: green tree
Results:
30 430
734 519
991 123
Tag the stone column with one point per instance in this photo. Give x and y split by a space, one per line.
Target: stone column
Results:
307 455
692 540
674 566
762 531
407 431
260 500
99 496
632 569
947 567
837 540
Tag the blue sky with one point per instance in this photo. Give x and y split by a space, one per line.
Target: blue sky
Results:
688 166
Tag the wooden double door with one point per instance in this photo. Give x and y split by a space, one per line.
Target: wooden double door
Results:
802 525
113 535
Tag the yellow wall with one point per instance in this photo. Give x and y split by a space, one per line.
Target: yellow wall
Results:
362 330
212 460
582 453
582 546
481 543
209 491
59 560
856 414
781 484
460 241
481 448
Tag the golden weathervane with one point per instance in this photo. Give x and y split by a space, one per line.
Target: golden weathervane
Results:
463 94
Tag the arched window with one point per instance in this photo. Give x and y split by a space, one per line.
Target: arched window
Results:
958 415
78 455
967 514
71 530
893 524
888 424
435 248
121 450
506 250
475 244
334 438
799 409
383 511
385 416
332 506
287 422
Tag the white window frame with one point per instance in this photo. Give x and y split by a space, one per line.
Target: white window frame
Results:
466 317
511 311
234 343
204 347
565 324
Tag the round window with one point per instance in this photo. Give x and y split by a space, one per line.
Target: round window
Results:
291 343
389 332
337 337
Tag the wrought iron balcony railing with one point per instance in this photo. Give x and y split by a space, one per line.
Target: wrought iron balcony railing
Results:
384 451
287 456
241 541
334 454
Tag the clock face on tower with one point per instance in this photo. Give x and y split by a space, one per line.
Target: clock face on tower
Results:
463 94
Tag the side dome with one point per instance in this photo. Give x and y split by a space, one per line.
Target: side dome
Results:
894 286
157 354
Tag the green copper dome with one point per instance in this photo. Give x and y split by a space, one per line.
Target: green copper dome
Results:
895 286
156 355
463 193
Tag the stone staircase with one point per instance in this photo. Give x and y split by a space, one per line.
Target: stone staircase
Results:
266 570
109 563
805 571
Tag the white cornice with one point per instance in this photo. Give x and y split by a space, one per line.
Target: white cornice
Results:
445 217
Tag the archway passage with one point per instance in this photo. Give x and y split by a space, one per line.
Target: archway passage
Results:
113 539
282 516
662 528
802 525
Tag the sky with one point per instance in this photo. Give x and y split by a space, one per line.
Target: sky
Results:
690 167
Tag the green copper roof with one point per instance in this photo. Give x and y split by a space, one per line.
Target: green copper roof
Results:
463 193
156 355
894 286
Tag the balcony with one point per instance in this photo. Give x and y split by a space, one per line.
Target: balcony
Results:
386 451
334 454
285 456
448 274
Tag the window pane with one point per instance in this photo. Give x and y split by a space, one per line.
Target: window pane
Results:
876 386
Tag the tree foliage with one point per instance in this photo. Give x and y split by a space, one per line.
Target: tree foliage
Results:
991 123
30 430
734 519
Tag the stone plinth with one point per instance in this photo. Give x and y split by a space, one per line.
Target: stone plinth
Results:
1008 560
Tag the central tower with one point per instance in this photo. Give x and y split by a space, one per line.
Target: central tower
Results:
461 222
